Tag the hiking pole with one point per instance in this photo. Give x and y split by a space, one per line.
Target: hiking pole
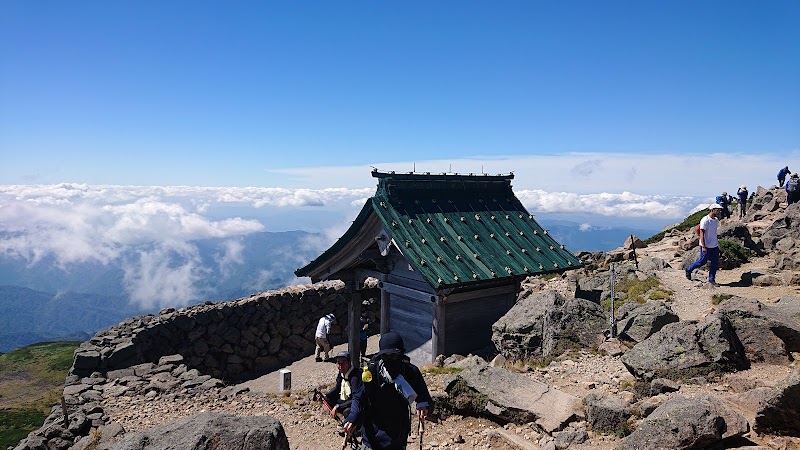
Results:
421 430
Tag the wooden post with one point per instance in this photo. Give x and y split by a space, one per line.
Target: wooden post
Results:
386 305
66 411
354 343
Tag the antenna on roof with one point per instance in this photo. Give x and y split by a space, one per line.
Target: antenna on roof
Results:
481 168
451 168
415 168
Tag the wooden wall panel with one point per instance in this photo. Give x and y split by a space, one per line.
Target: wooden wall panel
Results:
413 319
468 323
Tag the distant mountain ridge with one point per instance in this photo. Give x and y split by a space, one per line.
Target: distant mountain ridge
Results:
44 302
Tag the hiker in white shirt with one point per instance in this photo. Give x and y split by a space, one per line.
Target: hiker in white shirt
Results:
321 336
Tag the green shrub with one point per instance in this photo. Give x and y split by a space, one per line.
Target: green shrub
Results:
660 295
688 223
732 254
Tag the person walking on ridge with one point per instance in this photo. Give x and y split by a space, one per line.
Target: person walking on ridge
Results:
742 194
724 200
709 245
321 335
782 175
792 189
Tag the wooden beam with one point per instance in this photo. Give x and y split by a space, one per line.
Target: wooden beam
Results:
407 292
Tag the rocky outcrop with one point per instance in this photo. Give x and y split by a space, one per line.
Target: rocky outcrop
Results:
607 414
547 324
208 431
768 333
778 412
636 322
687 423
512 397
686 349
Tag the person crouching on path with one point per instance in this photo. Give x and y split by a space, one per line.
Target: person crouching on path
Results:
709 245
742 194
321 336
348 380
381 405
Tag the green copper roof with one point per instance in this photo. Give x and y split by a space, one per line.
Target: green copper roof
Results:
457 230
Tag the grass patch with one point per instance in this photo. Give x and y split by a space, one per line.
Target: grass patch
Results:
664 295
430 369
521 365
550 276
464 398
635 290
16 423
716 299
31 382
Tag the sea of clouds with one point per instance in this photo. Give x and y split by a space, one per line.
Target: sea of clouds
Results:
69 223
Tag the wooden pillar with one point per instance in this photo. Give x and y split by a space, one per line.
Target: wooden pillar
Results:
354 313
438 337
386 305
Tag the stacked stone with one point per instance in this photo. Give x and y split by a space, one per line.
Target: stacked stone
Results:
84 395
228 340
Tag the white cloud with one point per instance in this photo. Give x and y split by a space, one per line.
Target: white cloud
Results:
585 227
76 223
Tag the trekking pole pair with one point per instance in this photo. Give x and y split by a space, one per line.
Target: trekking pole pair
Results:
348 439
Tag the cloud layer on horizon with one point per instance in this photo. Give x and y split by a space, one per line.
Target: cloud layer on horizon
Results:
76 223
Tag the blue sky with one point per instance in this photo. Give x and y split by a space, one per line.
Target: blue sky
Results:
254 93
138 122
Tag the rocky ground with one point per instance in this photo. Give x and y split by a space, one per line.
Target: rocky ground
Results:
308 428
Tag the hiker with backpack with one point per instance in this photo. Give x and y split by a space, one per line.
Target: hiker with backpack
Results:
782 175
724 200
709 245
793 189
381 405
742 195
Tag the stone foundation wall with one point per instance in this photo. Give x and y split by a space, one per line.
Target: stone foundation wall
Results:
228 340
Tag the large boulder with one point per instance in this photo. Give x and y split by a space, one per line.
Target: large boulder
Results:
778 413
637 322
769 333
209 431
547 324
686 423
686 349
607 413
512 397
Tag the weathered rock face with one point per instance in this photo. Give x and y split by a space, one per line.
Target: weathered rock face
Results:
513 397
779 412
739 233
226 340
209 431
547 324
687 348
686 423
607 413
768 333
637 322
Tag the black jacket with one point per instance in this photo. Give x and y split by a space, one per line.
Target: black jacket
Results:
383 412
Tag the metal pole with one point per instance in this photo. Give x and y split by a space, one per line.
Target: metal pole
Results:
613 331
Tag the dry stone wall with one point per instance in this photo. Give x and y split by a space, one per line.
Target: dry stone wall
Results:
229 340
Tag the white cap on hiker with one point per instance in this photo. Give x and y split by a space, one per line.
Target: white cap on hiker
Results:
715 206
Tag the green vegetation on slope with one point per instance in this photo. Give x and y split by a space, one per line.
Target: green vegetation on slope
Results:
31 382
688 223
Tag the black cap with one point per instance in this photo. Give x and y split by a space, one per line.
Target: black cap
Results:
391 342
342 354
